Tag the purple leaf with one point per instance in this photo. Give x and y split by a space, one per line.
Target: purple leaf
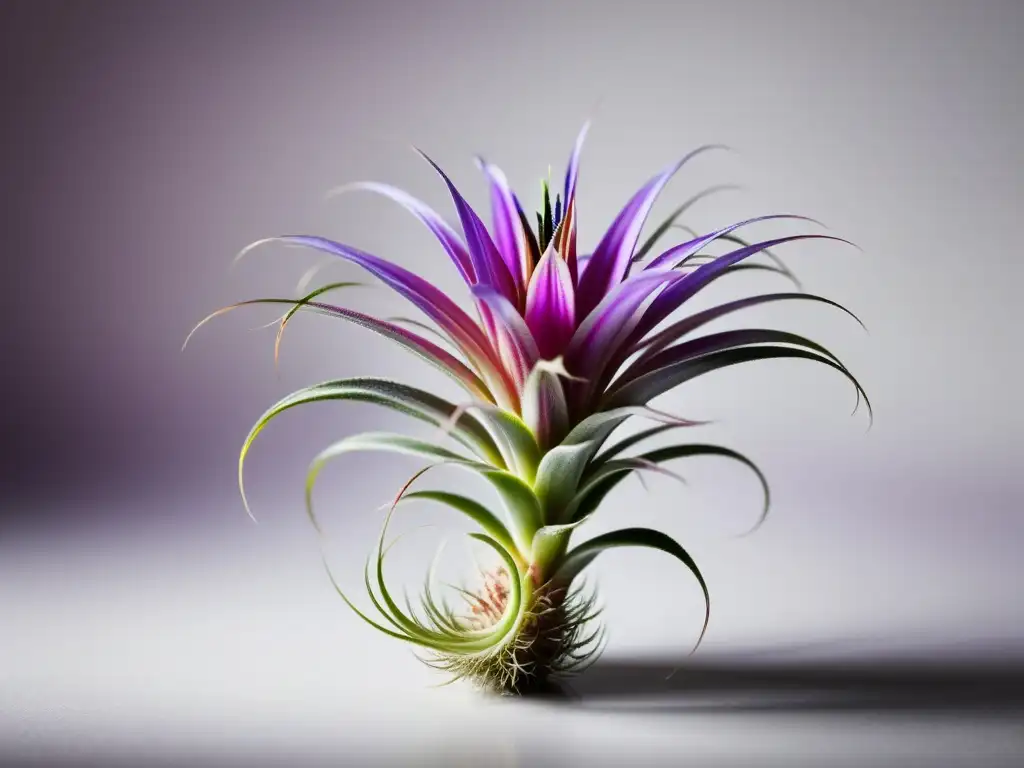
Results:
459 326
550 305
671 298
669 222
567 246
449 237
433 354
604 330
508 230
544 406
613 255
572 170
512 325
488 263
440 358
677 254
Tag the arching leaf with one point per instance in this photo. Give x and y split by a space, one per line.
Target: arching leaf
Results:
398 397
579 558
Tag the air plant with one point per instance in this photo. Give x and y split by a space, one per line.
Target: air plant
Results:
563 350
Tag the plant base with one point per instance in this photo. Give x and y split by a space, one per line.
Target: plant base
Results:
553 641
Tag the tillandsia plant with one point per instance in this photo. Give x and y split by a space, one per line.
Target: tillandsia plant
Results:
564 349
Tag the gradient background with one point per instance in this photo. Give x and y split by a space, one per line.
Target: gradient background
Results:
147 621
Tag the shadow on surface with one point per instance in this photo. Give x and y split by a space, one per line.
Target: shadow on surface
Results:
677 684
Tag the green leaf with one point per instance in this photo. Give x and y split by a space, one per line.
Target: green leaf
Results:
439 612
438 609
468 640
399 397
625 466
597 484
595 429
561 469
550 542
579 558
640 390
396 631
598 426
367 581
397 634
515 441
438 639
654 344
472 509
443 638
380 441
522 504
516 495
546 222
628 442
601 482
714 342
545 411
516 605
304 302
558 476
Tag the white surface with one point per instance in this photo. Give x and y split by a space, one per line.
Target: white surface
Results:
127 649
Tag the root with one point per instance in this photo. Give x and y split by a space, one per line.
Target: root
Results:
556 639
